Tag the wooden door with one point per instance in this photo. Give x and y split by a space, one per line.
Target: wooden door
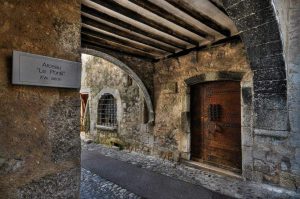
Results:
216 124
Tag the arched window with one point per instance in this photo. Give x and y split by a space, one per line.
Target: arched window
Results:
107 111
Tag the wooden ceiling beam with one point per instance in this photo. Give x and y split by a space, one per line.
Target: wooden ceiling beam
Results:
201 17
116 7
105 49
117 31
146 4
110 19
121 41
98 42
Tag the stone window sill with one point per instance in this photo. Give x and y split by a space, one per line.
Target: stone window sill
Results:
109 128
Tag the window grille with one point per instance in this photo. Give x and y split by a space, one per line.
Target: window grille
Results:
107 111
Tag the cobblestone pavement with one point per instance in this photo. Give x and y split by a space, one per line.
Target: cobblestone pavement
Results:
223 184
95 187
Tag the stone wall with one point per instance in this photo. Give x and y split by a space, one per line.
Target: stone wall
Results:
270 110
143 68
102 76
172 99
288 13
39 139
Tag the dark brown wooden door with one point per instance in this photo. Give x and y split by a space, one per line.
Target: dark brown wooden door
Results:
216 124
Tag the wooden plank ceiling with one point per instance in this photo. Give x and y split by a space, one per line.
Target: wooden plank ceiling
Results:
153 29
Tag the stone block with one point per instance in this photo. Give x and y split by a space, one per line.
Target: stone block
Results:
247 136
246 96
282 149
270 101
265 119
245 8
246 119
264 50
271 133
269 74
260 17
247 158
270 86
272 61
268 32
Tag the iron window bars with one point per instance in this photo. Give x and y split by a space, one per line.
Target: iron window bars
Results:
107 111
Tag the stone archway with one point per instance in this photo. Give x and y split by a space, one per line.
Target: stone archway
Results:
258 26
131 73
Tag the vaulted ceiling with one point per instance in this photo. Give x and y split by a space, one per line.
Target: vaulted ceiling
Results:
153 28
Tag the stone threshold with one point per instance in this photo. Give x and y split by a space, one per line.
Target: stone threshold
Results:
210 168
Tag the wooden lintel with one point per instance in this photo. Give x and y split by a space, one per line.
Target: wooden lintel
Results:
146 4
120 32
114 46
118 22
116 7
201 17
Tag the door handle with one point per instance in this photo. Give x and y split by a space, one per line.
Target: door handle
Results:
213 127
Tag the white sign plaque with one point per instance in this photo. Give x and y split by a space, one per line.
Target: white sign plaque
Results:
30 69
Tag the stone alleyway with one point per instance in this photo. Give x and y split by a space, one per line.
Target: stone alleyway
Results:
95 187
222 184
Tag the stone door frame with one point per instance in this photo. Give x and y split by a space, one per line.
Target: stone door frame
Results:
246 113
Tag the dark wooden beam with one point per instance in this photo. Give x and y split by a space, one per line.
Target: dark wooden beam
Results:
115 6
121 41
88 45
171 17
232 39
120 32
219 5
114 46
130 27
203 18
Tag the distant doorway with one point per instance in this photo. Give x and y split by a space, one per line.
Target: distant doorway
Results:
84 99
216 124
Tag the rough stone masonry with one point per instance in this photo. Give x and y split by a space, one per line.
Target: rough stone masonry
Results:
39 139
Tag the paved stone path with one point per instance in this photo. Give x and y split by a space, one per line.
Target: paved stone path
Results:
95 187
145 183
223 184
